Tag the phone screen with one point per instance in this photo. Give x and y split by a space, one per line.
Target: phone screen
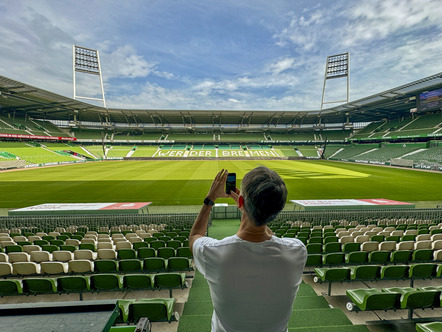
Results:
231 183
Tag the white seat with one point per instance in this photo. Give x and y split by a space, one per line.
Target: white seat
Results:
72 242
361 238
41 256
436 245
387 245
54 267
436 237
28 248
5 269
424 244
4 257
422 237
18 257
405 245
106 254
438 255
369 246
85 254
62 256
346 239
105 245
80 266
123 245
411 232
25 268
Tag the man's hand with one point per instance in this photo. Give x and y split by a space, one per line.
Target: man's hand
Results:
217 190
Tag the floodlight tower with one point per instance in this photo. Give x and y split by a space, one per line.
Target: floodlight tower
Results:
86 60
337 66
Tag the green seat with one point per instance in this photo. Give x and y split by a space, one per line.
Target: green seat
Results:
408 237
106 282
422 255
87 246
146 252
394 272
166 252
331 239
332 247
416 299
130 265
429 327
157 244
356 257
365 272
137 281
314 260
74 284
422 271
49 247
48 237
331 275
56 242
315 240
10 287
105 266
351 247
396 238
400 256
179 264
379 257
68 247
173 244
126 254
41 242
314 248
154 264
157 235
372 299
63 237
377 238
148 240
13 248
180 238
336 258
23 243
157 310
34 286
138 245
170 281
184 252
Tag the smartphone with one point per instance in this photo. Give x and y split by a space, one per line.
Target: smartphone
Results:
231 183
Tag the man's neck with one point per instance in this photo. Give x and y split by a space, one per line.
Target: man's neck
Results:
248 231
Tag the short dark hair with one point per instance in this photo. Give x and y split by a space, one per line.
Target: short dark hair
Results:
264 194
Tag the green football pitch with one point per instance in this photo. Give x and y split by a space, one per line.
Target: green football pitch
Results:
187 182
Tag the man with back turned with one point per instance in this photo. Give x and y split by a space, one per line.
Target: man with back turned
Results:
253 275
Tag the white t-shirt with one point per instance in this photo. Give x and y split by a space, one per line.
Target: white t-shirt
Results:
252 284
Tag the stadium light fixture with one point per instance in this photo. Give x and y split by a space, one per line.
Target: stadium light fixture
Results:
337 66
86 60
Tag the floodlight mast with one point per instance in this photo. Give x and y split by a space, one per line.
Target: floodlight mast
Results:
337 66
86 60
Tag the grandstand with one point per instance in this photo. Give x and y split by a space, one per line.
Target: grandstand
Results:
378 254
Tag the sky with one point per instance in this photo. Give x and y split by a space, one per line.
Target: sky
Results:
221 55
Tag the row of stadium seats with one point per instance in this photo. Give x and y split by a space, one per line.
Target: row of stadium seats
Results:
377 273
394 298
94 283
66 255
374 257
85 266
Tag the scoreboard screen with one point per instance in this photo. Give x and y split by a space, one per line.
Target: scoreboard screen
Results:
430 100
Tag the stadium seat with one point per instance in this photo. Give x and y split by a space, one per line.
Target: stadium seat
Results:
13 248
179 264
106 282
184 252
40 256
53 268
422 271
314 260
126 254
331 275
73 284
138 245
394 272
387 246
4 257
34 286
85 254
5 269
157 244
10 287
372 299
49 247
422 255
130 265
429 327
166 252
137 282
106 266
80 266
379 257
31 247
158 310
170 281
62 256
314 248
146 252
106 254
400 256
15 257
356 257
25 268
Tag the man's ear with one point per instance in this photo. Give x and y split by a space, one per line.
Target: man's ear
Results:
240 202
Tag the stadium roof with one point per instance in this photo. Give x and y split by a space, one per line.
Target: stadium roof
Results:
19 99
